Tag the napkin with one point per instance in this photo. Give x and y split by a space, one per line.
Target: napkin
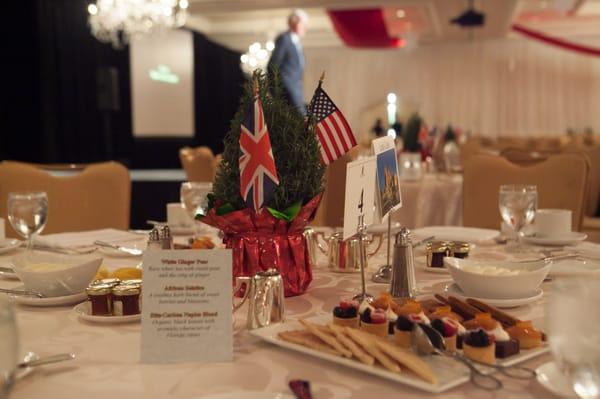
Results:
82 240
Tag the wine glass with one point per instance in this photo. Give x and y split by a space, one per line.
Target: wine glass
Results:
518 204
573 328
9 345
27 214
194 199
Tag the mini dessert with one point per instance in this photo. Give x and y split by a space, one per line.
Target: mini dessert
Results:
391 317
480 347
383 301
202 243
346 314
526 334
403 332
505 346
448 328
127 273
374 322
445 311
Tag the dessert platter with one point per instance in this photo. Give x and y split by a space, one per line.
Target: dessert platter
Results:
376 336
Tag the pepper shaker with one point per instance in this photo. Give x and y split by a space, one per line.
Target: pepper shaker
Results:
154 239
166 239
403 283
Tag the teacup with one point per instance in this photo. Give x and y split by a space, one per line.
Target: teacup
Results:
552 222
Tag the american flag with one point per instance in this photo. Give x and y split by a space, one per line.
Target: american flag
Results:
332 129
258 174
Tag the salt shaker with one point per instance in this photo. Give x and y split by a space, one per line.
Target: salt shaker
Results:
403 282
166 239
154 239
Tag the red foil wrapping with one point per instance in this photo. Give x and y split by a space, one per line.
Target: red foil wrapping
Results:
260 241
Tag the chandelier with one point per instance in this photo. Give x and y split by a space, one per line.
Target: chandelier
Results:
116 21
257 57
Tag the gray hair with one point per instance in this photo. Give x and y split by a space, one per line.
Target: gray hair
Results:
298 15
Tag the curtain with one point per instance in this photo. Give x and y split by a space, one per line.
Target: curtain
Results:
494 87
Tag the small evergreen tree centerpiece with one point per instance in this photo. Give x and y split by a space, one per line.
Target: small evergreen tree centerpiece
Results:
273 236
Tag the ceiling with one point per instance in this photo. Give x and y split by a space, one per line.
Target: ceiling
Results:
239 23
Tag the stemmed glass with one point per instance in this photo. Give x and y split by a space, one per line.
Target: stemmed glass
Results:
194 199
9 346
518 204
27 214
573 327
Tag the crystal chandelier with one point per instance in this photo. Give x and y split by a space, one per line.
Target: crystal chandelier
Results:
257 57
116 21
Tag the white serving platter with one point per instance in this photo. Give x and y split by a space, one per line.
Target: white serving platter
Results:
449 372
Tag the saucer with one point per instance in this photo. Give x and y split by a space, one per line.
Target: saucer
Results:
435 270
50 301
565 239
449 288
83 310
550 377
454 233
8 245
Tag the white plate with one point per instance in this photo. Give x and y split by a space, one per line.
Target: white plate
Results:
8 244
456 233
449 373
567 239
248 395
550 377
575 267
450 288
51 301
83 310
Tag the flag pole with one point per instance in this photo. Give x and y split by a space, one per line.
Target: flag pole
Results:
321 80
312 102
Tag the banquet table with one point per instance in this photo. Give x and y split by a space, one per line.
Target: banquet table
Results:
422 198
107 360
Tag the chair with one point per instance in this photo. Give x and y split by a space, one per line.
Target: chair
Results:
99 196
561 183
522 157
198 163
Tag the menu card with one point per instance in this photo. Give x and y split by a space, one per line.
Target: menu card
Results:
360 195
388 182
186 306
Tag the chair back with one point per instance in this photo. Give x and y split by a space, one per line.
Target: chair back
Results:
523 157
198 163
99 196
561 183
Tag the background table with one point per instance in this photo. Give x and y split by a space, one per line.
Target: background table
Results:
435 200
108 356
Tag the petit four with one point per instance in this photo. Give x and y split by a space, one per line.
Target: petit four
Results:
374 322
448 328
505 345
346 314
479 346
526 334
403 332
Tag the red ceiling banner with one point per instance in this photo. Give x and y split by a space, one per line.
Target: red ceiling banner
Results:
363 28
542 37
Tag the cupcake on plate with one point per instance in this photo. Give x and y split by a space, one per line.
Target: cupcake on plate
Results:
346 314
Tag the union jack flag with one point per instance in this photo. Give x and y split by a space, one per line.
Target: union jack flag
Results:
332 129
258 174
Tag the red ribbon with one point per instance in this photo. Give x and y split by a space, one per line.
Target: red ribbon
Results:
542 37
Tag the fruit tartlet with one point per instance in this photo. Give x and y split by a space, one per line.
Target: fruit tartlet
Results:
526 334
403 332
346 314
445 311
414 311
391 317
448 328
480 347
505 345
374 322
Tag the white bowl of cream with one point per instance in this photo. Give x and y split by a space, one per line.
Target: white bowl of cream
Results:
55 275
497 280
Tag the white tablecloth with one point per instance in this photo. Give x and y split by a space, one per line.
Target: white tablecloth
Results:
107 363
435 200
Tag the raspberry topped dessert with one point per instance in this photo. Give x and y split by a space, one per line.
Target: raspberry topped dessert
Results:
448 328
374 321
403 331
505 345
346 314
479 346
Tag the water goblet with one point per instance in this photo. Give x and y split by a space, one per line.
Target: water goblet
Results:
573 327
194 199
27 214
518 204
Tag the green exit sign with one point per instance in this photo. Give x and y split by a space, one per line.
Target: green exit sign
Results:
163 73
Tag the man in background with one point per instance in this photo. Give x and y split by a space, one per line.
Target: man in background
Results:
289 57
